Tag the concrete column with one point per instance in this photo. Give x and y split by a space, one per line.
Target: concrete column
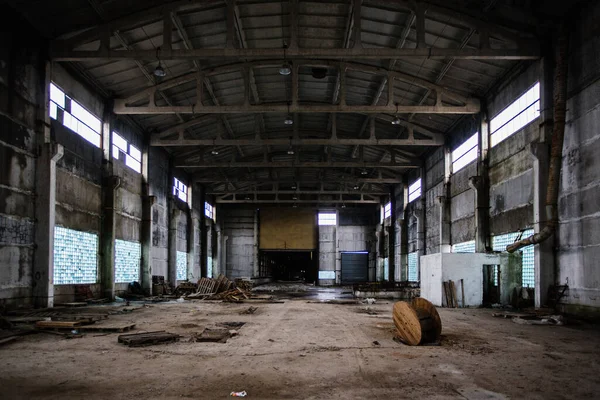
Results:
146 275
422 223
338 256
203 237
45 203
481 185
172 260
218 256
445 246
404 235
392 238
256 268
193 272
544 257
107 271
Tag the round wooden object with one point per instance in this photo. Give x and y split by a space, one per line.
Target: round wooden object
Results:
417 322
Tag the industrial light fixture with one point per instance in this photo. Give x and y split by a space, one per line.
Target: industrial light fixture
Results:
285 69
355 187
214 152
247 197
290 149
295 205
294 187
159 71
364 172
288 118
396 121
343 205
294 197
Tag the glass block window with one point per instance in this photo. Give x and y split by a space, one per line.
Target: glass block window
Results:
414 190
181 266
209 267
500 242
514 117
209 210
386 271
128 152
75 256
387 210
127 261
465 153
327 218
413 267
464 247
180 190
72 115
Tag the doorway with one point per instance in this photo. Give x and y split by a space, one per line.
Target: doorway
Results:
292 265
491 284
355 267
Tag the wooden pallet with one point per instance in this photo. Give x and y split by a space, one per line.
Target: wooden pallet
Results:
115 327
58 324
147 338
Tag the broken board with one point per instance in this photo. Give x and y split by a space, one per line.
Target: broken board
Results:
147 338
213 335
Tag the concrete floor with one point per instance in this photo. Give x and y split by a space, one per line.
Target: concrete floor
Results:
302 350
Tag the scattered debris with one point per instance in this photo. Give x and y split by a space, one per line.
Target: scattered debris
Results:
238 394
73 304
417 322
370 300
219 335
450 294
147 338
250 310
232 324
540 320
376 343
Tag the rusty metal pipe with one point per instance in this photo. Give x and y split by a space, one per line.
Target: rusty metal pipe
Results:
558 134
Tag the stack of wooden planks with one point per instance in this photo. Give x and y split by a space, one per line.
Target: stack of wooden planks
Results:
207 287
449 290
147 338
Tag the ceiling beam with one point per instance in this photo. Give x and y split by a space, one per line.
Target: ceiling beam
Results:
472 107
325 192
339 180
277 201
297 164
355 53
438 140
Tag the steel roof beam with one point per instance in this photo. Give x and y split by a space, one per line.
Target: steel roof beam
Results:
325 192
297 164
436 141
340 180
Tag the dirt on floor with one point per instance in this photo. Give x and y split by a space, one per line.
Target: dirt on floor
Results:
303 349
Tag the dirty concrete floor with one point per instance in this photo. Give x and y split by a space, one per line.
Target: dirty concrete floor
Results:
307 350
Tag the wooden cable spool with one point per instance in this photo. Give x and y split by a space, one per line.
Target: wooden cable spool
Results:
417 322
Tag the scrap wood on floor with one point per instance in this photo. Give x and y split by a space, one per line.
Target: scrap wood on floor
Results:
147 338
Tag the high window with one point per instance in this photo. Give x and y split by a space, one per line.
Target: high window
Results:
128 257
327 218
180 190
500 242
126 151
414 190
514 117
464 247
413 267
465 153
209 210
182 267
387 210
72 115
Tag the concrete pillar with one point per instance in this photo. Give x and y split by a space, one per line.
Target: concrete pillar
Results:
404 235
146 275
256 268
338 255
193 271
481 185
544 257
45 214
422 223
217 257
392 238
107 271
172 259
445 243
203 236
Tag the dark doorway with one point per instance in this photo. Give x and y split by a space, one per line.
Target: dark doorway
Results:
355 267
491 284
292 265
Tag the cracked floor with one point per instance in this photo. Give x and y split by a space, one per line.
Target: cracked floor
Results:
302 349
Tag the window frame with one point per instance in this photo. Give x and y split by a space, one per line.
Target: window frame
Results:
329 219
513 112
412 198
178 188
466 151
122 145
209 210
387 210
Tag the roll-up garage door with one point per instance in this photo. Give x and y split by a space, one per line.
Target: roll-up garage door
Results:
355 267
289 229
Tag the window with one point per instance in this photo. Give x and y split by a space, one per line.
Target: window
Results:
465 153
386 269
413 271
414 190
327 219
127 261
133 157
181 266
500 242
72 115
387 210
514 117
179 190
75 256
464 247
209 267
209 211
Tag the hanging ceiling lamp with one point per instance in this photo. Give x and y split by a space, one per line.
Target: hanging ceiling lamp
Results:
159 71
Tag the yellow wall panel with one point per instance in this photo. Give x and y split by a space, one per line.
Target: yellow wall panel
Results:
287 229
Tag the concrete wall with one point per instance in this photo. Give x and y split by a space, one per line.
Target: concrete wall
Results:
21 77
238 231
578 244
160 186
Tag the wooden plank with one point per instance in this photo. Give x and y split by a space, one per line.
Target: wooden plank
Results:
57 324
445 285
462 289
123 327
73 304
147 338
453 294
